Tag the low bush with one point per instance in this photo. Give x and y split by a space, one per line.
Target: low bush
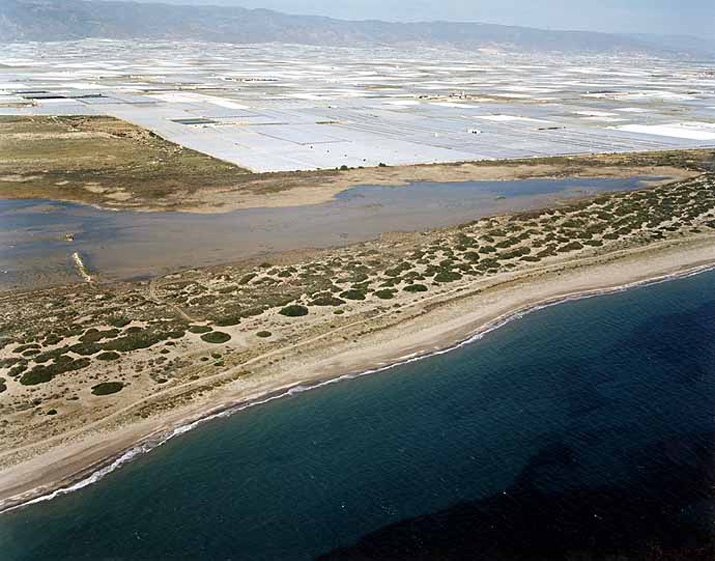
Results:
41 374
295 310
415 288
228 321
385 294
118 321
353 294
199 329
447 276
107 388
216 337
326 300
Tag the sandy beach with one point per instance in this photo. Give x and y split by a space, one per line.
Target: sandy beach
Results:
420 328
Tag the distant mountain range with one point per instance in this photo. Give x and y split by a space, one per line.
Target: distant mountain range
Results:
61 20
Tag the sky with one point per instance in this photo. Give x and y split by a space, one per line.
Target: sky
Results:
671 17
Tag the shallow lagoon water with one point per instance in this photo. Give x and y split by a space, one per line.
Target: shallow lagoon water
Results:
120 245
583 430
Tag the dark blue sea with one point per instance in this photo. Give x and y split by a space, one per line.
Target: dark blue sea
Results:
582 431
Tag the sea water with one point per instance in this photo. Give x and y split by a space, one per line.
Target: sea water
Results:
580 431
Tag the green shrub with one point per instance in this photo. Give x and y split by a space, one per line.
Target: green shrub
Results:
247 278
94 335
106 388
264 334
132 341
258 310
447 276
108 355
199 329
294 310
23 348
216 337
228 321
5 362
385 294
353 294
52 339
118 321
41 374
327 300
415 288
572 246
17 369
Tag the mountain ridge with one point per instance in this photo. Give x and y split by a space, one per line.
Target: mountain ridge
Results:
62 20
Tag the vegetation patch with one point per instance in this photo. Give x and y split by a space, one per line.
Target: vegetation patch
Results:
107 388
447 276
296 310
118 321
415 288
385 294
108 355
41 374
327 300
94 335
216 337
264 334
198 329
353 294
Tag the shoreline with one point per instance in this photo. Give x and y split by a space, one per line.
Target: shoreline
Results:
443 341
326 190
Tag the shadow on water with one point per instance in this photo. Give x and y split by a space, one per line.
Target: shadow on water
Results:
663 510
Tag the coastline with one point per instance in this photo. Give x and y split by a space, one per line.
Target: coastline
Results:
496 302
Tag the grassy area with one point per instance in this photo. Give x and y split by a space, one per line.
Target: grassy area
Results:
101 160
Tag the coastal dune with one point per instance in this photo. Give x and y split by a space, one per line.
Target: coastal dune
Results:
420 329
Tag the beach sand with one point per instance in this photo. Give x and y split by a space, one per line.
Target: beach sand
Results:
420 328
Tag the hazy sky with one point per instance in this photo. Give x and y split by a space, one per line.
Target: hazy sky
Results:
693 17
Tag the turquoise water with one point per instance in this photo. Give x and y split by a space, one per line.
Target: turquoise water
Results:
581 429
